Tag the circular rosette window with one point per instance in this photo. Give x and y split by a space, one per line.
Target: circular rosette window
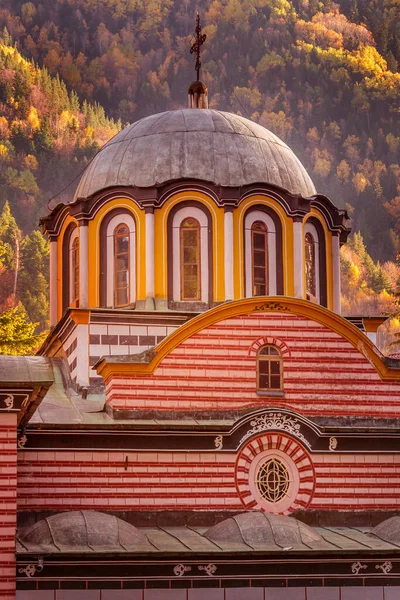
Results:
274 473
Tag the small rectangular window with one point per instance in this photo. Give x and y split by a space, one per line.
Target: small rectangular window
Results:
269 369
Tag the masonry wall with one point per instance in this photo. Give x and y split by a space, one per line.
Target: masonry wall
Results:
215 369
206 481
8 503
110 339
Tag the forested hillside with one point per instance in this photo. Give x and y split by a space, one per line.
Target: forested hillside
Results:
322 75
46 137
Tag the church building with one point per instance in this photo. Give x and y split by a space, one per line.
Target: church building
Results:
201 421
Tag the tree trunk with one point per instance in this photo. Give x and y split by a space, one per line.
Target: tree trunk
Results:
17 260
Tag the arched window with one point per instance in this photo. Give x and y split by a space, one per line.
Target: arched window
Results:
74 274
263 264
310 267
121 265
117 283
259 258
269 369
190 260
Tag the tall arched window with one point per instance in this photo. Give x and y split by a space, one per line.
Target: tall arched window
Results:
259 255
75 272
190 260
310 267
117 283
121 265
263 264
269 369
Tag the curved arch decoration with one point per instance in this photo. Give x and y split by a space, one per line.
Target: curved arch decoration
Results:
263 341
289 305
294 464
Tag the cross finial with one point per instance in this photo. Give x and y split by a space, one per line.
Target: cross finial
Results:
196 47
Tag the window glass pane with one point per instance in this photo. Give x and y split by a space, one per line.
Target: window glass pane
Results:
122 279
190 289
122 245
189 223
275 382
190 271
75 271
269 368
310 264
259 260
259 275
263 366
190 237
190 260
190 255
122 297
259 240
265 350
275 367
122 263
260 290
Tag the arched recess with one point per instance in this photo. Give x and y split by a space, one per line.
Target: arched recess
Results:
71 233
266 215
314 228
116 217
177 216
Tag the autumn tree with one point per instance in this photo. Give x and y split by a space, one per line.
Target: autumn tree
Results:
17 334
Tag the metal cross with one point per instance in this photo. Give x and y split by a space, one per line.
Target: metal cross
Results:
196 47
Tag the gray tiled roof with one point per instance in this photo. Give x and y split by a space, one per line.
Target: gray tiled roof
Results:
208 145
91 531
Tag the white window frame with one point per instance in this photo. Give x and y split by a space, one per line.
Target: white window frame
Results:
129 221
179 217
252 217
312 230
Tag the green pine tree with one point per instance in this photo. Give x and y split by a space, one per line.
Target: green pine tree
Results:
34 276
10 255
17 334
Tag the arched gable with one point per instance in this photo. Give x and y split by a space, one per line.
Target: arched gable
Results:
206 367
291 306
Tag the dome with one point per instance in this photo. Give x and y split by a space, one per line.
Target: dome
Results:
388 530
80 531
263 529
208 145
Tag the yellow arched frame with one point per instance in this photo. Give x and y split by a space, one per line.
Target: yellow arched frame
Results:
328 245
287 243
161 250
67 221
94 248
110 367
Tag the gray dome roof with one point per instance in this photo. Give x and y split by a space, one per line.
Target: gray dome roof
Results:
80 531
388 530
207 145
263 529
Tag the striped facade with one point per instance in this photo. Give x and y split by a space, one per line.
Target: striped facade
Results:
215 369
8 504
209 481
